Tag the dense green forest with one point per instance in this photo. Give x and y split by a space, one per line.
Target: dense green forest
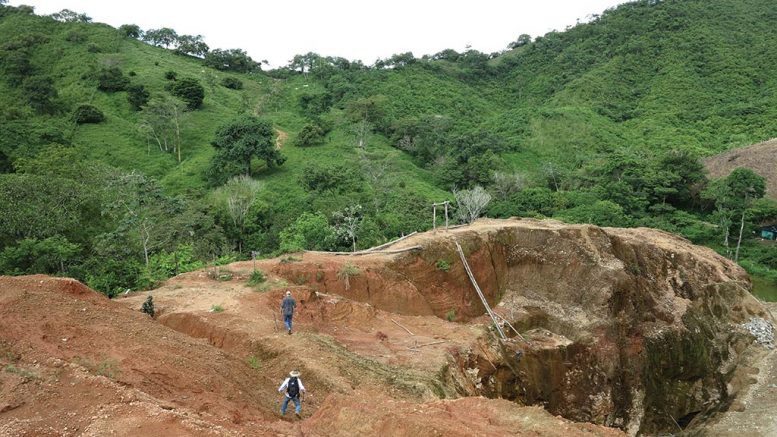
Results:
130 155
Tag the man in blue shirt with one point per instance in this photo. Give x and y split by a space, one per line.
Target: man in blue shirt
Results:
287 309
293 386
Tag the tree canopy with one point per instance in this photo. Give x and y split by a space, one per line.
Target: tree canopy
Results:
238 142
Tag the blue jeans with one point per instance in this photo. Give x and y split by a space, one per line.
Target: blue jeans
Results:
287 321
297 404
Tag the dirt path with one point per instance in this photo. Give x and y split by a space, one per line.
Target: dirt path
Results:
280 140
754 413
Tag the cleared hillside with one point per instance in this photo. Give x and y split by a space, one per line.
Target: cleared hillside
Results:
761 158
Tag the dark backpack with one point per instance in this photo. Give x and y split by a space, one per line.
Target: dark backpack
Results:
292 389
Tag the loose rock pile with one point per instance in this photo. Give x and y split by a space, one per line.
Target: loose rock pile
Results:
762 330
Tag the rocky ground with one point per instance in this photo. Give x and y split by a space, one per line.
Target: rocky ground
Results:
400 348
754 412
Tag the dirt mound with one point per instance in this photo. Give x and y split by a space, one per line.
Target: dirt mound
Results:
761 158
74 360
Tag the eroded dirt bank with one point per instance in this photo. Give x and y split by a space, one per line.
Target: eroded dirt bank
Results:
634 329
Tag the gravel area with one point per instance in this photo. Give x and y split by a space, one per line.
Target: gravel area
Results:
762 330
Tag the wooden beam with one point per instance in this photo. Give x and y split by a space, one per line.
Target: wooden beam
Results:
401 326
480 292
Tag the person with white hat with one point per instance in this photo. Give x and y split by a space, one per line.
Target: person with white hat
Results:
293 386
287 310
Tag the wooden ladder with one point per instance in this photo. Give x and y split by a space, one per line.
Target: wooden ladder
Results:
480 292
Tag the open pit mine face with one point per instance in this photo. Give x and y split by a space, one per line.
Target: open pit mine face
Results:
631 328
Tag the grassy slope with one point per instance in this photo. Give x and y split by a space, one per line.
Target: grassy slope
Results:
692 74
587 90
116 141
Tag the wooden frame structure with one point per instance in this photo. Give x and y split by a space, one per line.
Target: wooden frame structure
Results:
434 214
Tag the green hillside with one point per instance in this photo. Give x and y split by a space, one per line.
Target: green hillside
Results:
604 122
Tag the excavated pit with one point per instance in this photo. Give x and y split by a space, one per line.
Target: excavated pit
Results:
630 328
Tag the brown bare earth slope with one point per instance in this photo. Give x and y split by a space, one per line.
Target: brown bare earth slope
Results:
761 158
73 363
630 328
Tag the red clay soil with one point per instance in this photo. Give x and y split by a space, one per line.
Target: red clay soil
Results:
400 348
75 363
612 300
473 416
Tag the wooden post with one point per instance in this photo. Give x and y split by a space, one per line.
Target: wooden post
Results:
253 258
446 215
434 216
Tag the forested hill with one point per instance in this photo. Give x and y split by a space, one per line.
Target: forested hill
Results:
119 146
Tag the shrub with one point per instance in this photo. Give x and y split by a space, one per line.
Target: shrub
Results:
108 369
111 277
232 83
137 96
308 232
189 90
163 265
450 315
289 259
27 375
443 265
148 307
470 204
40 93
253 362
93 48
111 80
257 277
310 135
86 113
171 75
337 178
314 105
130 30
346 272
230 60
227 258
32 255
75 36
216 309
